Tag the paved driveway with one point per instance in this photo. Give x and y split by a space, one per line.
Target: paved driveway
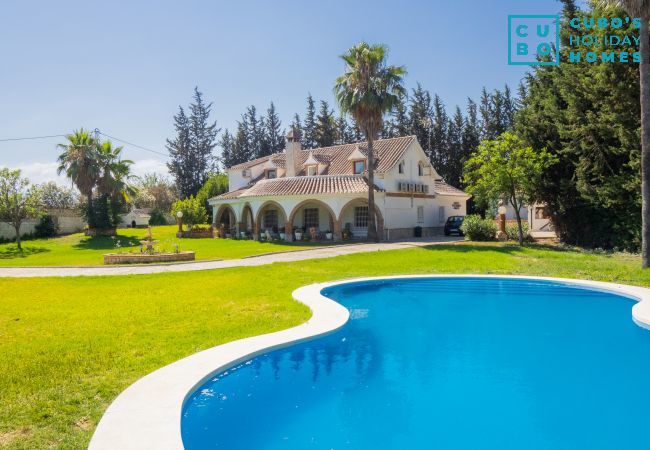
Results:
298 255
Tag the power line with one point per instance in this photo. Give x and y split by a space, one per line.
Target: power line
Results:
131 144
32 137
96 131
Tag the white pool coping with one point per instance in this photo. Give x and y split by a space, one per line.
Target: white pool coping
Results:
147 415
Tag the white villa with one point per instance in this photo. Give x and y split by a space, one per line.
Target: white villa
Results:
325 190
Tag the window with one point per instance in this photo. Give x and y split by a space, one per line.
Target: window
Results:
441 214
271 173
361 216
420 214
420 170
271 219
400 167
311 171
311 218
359 167
541 213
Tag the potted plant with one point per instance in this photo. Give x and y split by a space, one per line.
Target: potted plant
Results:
328 235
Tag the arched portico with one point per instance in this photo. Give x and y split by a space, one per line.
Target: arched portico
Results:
354 218
246 220
226 219
314 215
270 216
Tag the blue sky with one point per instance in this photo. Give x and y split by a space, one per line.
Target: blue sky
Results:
125 66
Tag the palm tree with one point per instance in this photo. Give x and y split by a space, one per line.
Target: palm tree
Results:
367 90
79 162
641 9
115 172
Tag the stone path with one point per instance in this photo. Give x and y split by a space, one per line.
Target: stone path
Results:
299 255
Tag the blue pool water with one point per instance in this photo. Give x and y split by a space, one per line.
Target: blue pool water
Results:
443 364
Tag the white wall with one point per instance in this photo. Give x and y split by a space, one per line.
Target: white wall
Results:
7 230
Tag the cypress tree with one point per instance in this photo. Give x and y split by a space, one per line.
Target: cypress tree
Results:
309 126
227 144
296 127
180 157
325 126
273 134
455 150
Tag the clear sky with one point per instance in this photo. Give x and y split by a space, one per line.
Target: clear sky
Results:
125 66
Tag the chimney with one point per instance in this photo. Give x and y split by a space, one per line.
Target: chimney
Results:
292 151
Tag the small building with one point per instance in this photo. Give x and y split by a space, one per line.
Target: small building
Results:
326 189
135 218
535 215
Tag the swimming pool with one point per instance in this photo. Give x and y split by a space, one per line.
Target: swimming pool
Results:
459 363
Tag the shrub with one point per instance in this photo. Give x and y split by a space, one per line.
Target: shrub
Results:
193 211
46 227
476 228
512 231
157 218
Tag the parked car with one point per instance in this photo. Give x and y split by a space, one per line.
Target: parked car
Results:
453 225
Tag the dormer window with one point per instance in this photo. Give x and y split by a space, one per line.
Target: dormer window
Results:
312 171
400 167
271 173
359 167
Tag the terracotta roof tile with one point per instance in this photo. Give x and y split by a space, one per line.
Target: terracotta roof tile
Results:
338 184
387 152
442 188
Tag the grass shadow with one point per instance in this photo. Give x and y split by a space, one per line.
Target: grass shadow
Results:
107 242
12 252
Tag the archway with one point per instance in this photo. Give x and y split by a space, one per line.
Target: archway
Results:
353 220
271 217
226 219
314 217
247 222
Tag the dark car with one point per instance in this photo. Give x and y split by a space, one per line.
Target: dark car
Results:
453 225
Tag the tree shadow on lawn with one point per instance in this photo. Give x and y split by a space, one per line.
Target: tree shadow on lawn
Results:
505 248
11 252
107 242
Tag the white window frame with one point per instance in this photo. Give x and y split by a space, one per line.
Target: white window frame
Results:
271 171
354 166
441 214
400 167
420 217
312 168
361 216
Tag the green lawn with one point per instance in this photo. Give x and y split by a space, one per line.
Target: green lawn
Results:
79 250
68 346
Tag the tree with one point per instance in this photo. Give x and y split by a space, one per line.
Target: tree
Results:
368 90
181 159
296 127
508 169
191 151
439 150
216 184
79 162
114 182
399 125
455 149
194 213
17 201
227 144
54 196
254 132
641 9
309 126
274 136
155 192
344 133
421 121
325 126
593 194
